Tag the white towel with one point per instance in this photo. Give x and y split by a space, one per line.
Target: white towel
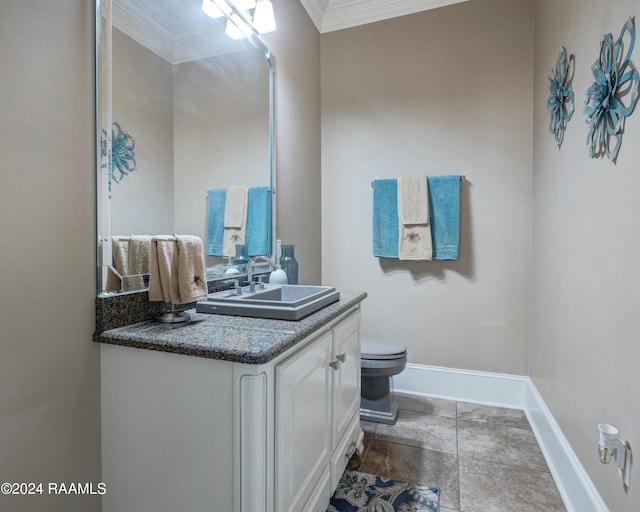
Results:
414 240
192 278
235 217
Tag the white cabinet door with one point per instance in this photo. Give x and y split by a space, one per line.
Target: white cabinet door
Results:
303 423
346 379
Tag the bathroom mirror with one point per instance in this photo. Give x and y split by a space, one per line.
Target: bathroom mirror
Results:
183 110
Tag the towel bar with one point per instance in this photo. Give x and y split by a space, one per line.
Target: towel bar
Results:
462 178
165 238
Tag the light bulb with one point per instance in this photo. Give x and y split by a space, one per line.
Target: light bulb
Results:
236 28
263 18
243 5
213 10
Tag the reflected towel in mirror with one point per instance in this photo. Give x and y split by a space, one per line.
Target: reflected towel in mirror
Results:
120 251
216 200
138 260
258 220
235 219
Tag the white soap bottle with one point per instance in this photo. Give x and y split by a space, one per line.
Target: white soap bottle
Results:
278 276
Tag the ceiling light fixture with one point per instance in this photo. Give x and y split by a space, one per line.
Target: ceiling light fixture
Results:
244 16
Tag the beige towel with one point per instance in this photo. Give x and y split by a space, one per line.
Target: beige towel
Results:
114 281
139 253
192 278
235 207
414 241
413 199
163 281
235 225
120 252
177 271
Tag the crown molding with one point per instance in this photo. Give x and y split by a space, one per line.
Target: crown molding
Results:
136 22
316 9
197 42
331 15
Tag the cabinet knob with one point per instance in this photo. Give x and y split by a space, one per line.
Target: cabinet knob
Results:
335 364
342 357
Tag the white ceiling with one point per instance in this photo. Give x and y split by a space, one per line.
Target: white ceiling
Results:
177 31
330 15
180 31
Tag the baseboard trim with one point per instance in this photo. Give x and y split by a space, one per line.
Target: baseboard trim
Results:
518 392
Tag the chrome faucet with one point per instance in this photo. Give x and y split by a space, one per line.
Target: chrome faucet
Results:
252 262
236 285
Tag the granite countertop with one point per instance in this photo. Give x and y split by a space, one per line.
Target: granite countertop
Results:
225 337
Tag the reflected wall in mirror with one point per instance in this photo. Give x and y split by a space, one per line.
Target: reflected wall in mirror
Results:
195 111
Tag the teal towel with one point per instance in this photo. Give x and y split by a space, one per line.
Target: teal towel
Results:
385 218
258 220
444 217
444 210
216 200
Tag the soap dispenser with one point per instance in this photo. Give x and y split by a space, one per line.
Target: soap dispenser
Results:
278 276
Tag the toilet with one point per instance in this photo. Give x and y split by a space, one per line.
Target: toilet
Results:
379 362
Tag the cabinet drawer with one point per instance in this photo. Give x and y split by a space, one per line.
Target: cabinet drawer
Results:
347 447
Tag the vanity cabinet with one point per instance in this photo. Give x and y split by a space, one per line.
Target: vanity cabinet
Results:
317 417
189 433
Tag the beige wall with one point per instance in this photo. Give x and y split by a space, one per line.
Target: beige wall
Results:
221 137
49 368
584 350
296 48
439 92
142 103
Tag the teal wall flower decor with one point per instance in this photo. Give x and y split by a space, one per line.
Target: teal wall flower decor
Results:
605 109
123 160
560 102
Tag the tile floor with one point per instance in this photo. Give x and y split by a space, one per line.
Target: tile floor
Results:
484 459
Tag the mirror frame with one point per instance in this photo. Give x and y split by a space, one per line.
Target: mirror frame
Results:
103 119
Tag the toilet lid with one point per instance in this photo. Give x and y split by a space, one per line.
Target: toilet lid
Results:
373 349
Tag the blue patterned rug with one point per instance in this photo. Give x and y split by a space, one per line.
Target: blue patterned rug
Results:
361 492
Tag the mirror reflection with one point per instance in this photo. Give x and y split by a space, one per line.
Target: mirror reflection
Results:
185 122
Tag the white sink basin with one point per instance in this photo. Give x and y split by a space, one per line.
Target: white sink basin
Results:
280 302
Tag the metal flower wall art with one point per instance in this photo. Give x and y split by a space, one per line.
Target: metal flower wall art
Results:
123 160
560 101
613 84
